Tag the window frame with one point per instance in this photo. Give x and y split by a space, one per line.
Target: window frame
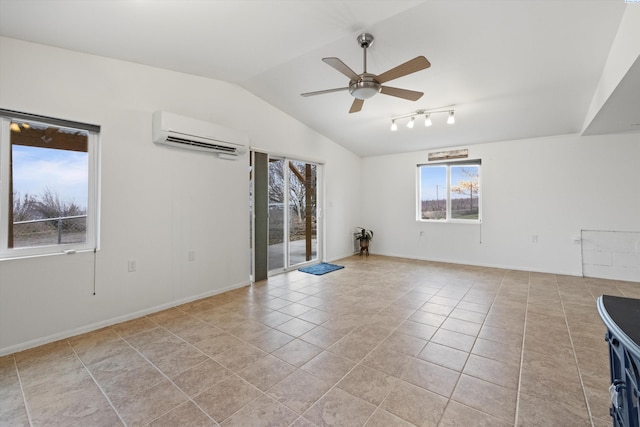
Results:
448 165
91 242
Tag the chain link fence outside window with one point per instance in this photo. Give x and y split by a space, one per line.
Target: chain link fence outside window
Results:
50 231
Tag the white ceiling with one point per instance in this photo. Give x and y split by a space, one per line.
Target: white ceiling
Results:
513 68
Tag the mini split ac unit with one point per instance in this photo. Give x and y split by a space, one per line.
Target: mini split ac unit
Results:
192 134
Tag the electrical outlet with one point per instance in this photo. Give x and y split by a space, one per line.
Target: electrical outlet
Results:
131 266
191 256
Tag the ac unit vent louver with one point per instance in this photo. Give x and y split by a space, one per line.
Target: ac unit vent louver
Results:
217 147
192 134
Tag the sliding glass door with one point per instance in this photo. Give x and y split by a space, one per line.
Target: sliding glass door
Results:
285 227
277 214
302 218
293 227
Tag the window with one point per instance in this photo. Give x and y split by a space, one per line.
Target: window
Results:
48 181
449 192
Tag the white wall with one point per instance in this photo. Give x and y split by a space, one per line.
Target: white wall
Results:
550 187
156 203
625 50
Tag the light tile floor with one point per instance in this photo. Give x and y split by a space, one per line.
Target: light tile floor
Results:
383 342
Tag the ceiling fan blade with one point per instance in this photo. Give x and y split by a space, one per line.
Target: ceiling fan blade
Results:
411 95
321 92
342 67
416 64
356 106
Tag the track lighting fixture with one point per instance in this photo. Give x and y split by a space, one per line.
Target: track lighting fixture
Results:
427 117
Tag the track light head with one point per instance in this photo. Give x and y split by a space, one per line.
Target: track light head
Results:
411 122
427 120
394 126
451 120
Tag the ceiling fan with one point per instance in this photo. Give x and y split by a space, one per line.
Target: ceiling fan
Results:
365 85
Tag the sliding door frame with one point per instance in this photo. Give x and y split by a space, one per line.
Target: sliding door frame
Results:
260 239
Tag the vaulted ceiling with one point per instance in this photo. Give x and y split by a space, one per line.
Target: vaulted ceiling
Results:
513 69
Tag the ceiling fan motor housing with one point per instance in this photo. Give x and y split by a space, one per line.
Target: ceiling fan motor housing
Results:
365 87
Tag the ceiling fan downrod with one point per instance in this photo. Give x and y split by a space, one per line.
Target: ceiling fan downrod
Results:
365 40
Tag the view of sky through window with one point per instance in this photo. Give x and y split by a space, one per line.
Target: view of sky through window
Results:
65 172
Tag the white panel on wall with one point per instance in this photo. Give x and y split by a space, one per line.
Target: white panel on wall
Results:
611 254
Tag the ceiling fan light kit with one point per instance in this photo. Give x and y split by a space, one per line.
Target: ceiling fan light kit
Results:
365 88
427 117
366 85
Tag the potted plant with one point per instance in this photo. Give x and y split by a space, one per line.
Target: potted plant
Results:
365 237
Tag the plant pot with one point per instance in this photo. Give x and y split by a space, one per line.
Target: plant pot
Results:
364 247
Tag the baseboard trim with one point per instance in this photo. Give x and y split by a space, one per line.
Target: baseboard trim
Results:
112 321
498 266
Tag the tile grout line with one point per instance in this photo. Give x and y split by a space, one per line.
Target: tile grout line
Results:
96 382
261 392
359 362
191 399
428 341
440 288
24 397
379 406
450 398
573 350
524 335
